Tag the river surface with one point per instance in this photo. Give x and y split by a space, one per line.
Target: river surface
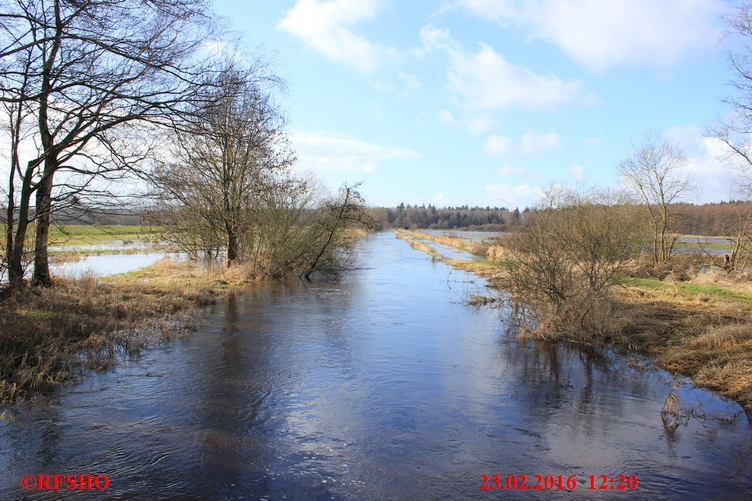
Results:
383 384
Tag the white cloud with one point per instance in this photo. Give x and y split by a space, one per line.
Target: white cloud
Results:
532 144
411 80
447 116
500 146
507 171
434 38
479 125
578 173
323 25
518 196
529 144
485 80
335 152
599 34
475 125
712 175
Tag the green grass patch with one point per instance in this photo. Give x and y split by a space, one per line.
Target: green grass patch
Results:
706 245
483 262
687 288
73 234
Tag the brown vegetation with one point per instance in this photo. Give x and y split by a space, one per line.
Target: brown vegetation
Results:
702 330
697 335
49 336
457 240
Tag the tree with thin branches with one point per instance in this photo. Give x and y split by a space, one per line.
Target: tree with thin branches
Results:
654 175
84 81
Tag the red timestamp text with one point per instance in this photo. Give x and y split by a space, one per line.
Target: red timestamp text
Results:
521 482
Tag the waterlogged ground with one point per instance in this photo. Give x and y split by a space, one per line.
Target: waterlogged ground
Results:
89 261
106 264
381 385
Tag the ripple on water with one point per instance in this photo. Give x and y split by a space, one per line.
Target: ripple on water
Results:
377 385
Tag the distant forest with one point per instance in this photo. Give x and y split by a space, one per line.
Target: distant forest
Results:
718 219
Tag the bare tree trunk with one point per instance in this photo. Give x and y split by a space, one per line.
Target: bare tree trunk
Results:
15 261
232 247
44 208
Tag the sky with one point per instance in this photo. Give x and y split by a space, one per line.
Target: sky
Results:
486 102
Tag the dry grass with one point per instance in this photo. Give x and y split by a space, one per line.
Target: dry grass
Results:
51 336
705 337
65 257
410 237
457 241
697 325
481 268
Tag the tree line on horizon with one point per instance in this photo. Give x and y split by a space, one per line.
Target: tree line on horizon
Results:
711 219
716 219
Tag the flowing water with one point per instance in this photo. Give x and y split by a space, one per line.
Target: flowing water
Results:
383 384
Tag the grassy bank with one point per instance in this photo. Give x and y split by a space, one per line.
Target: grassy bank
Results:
480 266
700 327
51 336
455 240
74 234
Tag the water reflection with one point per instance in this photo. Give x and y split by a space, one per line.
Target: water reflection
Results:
108 264
380 385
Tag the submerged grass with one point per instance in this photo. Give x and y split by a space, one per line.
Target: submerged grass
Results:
479 266
700 327
452 239
51 336
74 256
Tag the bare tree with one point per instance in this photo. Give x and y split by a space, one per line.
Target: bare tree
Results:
735 127
85 73
329 233
562 261
653 175
229 186
226 162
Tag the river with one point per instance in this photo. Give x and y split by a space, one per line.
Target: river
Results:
382 384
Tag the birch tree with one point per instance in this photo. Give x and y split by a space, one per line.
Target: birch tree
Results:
653 174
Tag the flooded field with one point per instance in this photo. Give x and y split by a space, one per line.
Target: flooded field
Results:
382 384
107 264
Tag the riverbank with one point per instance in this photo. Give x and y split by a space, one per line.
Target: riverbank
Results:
372 387
700 327
51 336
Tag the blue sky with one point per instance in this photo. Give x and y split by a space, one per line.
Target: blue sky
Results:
484 102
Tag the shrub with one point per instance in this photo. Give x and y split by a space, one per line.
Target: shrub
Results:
562 262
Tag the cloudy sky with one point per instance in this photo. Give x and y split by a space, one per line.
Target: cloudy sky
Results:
482 102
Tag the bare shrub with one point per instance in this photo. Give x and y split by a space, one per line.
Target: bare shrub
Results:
563 260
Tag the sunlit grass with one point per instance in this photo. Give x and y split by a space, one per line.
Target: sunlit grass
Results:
704 245
72 234
718 291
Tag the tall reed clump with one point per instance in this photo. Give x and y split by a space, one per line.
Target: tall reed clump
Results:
560 265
